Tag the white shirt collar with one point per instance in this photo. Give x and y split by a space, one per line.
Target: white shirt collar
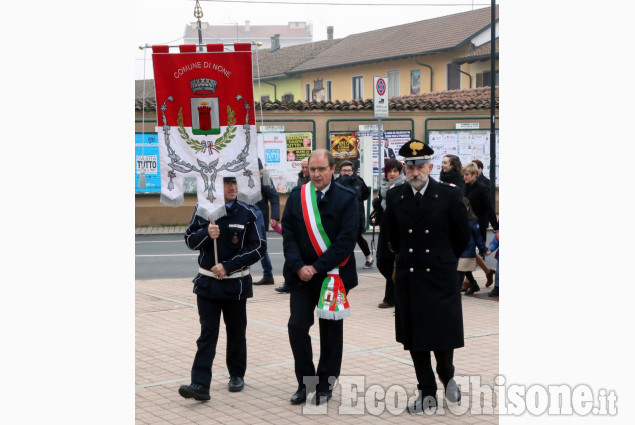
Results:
326 189
423 189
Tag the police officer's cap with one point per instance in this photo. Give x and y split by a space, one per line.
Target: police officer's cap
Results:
416 152
229 179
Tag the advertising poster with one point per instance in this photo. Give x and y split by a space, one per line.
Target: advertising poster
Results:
345 146
275 153
283 153
393 140
147 163
298 148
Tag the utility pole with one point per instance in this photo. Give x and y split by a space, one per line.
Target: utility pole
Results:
492 132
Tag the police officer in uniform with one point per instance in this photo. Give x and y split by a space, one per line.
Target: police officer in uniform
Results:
223 285
428 229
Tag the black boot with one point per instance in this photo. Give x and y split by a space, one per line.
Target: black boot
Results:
473 288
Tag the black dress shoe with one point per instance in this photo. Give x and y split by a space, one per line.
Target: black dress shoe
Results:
321 397
452 392
265 281
195 391
236 383
422 403
298 397
473 288
283 288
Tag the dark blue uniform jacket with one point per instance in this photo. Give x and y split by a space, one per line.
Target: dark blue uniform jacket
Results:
240 245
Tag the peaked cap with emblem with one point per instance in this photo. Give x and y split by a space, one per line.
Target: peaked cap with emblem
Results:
415 152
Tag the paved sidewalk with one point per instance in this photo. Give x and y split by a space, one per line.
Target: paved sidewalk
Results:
167 327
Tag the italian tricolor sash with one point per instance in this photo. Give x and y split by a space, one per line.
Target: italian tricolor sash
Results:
333 304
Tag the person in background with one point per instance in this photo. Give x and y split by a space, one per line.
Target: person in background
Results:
467 260
303 175
451 171
393 177
349 178
480 202
493 246
223 284
481 177
269 196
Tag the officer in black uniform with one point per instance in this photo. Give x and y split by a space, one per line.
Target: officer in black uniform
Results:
428 229
223 285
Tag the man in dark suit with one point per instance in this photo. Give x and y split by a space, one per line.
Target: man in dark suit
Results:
305 271
388 152
428 229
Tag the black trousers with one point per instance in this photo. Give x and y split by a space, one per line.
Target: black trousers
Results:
385 267
302 304
425 375
235 318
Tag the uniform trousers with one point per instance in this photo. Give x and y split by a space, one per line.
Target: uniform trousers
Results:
425 375
303 302
386 267
235 318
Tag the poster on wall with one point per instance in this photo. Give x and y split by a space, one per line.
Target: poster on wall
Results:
275 159
468 145
392 141
298 148
147 177
345 146
283 153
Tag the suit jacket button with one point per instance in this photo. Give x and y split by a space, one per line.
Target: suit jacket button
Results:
411 269
410 250
427 251
428 270
409 230
427 231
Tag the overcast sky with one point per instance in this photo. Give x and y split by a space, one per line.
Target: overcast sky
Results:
163 21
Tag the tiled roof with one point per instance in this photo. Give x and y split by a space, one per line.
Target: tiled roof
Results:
480 53
239 31
416 38
450 100
282 60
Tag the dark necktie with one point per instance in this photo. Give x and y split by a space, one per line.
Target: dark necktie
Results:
418 197
319 196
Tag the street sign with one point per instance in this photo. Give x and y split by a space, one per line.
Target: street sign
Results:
380 97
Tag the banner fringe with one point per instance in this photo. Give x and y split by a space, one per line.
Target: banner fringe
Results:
250 199
333 315
176 202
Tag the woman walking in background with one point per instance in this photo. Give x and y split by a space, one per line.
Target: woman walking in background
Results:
467 261
479 196
451 171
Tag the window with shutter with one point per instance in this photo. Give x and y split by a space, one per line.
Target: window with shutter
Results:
453 77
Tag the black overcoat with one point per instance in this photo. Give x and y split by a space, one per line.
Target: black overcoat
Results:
340 220
427 239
